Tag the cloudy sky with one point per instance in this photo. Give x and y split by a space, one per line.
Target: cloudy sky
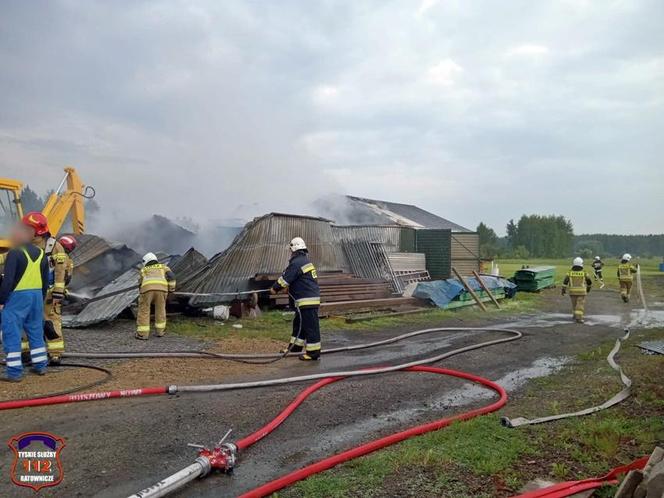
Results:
476 110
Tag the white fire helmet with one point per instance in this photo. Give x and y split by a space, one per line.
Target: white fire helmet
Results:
149 257
577 262
297 244
627 256
597 258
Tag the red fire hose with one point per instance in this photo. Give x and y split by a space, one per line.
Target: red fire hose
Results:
364 449
74 398
570 488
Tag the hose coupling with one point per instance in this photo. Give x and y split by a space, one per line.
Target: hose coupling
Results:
221 458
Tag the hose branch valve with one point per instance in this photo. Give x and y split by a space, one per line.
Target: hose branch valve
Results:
221 457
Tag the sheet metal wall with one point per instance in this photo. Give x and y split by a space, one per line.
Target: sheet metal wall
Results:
465 252
262 247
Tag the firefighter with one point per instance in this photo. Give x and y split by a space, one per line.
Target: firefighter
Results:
301 280
58 261
598 264
22 295
156 280
63 270
578 283
625 273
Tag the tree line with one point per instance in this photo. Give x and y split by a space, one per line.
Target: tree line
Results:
552 236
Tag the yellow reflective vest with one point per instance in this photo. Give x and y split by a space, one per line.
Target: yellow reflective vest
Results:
156 277
32 277
577 282
625 271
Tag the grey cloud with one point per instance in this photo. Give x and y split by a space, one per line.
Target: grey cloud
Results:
234 108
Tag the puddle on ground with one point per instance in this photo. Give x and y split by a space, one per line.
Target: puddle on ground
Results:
454 398
552 319
647 319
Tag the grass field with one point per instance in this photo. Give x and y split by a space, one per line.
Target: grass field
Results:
649 266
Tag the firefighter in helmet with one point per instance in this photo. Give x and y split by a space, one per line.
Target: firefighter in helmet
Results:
60 266
301 280
626 271
577 283
156 280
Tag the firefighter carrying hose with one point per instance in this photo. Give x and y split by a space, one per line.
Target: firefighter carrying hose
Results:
626 271
22 294
301 280
60 272
578 283
156 280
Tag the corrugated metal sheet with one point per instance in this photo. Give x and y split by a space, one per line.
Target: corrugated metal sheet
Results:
465 249
388 235
187 265
370 260
435 244
90 246
107 309
407 261
98 261
262 247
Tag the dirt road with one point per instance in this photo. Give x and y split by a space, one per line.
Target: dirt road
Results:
117 447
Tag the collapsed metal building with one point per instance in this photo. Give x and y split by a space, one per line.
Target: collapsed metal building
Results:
398 252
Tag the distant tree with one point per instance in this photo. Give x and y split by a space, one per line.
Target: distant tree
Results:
616 245
520 252
30 200
542 236
488 241
511 234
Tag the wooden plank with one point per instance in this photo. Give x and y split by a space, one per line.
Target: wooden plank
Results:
486 289
470 291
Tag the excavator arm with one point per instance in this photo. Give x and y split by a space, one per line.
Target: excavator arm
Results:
61 203
68 199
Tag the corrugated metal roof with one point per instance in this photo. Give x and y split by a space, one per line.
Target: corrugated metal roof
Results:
262 247
98 261
107 309
404 214
90 246
388 235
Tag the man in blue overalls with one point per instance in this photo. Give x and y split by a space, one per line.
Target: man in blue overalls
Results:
22 294
301 280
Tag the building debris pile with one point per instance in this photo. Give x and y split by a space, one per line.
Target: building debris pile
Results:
386 263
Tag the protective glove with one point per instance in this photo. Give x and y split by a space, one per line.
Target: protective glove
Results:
563 291
273 291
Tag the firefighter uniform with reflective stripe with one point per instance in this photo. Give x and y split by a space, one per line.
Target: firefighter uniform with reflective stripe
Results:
577 283
22 294
61 269
301 280
156 281
626 272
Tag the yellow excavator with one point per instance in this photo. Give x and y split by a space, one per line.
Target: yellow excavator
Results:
68 199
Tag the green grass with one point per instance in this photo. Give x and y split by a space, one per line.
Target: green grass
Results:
649 267
276 324
480 458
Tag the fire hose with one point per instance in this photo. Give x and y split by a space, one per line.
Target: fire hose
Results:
223 456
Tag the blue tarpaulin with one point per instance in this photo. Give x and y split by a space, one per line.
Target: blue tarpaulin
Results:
441 292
